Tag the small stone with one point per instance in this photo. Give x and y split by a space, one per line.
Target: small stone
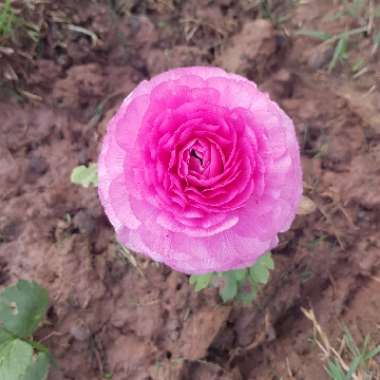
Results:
84 221
80 332
38 165
306 206
320 56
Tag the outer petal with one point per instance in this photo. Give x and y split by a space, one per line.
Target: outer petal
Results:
218 253
112 187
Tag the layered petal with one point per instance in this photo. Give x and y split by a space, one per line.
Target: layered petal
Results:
200 170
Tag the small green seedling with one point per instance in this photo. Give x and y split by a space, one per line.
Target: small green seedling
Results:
240 284
85 175
22 308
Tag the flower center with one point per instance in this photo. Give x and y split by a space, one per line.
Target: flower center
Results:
196 161
203 159
197 155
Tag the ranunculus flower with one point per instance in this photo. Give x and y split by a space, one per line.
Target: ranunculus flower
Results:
200 170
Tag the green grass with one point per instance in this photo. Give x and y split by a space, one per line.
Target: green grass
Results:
358 362
365 14
350 361
266 11
7 19
12 24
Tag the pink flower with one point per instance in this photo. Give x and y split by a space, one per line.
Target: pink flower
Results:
200 170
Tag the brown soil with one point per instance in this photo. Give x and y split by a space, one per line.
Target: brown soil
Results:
109 317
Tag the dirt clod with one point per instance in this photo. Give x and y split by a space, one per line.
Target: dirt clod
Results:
200 330
250 52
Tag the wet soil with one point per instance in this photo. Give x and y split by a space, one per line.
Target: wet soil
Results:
110 317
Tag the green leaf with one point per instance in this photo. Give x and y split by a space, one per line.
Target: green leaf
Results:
266 261
17 362
340 51
241 284
247 298
314 34
259 274
15 358
38 368
248 291
201 281
229 288
239 274
23 307
5 336
85 176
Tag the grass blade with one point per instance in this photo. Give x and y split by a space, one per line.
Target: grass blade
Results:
334 370
340 51
350 342
372 353
354 366
314 34
376 42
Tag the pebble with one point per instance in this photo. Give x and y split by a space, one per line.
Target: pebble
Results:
320 56
80 332
84 221
38 165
